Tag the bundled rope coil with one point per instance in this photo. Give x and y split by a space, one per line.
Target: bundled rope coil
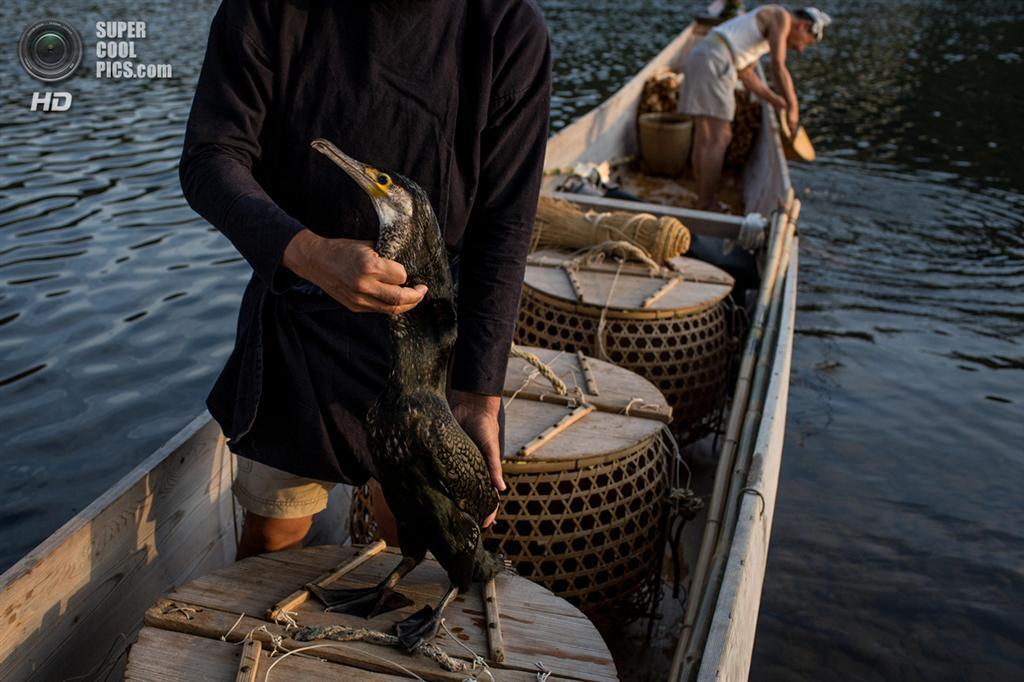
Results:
561 225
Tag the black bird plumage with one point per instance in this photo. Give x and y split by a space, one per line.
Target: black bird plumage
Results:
432 474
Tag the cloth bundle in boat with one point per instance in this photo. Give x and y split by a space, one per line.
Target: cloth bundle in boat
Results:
668 326
561 225
588 479
661 93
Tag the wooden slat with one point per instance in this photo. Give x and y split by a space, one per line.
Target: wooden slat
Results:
588 373
299 596
249 661
662 413
495 642
536 625
168 656
626 293
574 282
552 431
662 290
68 600
730 641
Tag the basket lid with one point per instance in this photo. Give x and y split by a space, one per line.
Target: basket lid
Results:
620 410
684 285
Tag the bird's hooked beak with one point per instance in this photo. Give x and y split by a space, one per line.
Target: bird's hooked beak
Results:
375 183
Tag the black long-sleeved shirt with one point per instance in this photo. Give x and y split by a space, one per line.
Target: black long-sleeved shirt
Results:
453 95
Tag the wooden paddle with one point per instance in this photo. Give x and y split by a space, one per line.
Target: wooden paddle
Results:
798 144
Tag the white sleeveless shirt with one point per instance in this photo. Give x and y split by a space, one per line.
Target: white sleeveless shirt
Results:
744 39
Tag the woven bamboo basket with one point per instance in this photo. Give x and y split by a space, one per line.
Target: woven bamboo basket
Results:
669 327
585 512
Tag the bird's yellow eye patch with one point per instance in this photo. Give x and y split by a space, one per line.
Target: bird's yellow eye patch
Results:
383 180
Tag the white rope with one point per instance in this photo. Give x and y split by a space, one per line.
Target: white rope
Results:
602 352
478 660
184 610
287 618
224 637
363 652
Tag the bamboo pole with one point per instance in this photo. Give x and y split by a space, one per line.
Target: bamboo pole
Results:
782 225
289 603
495 642
751 423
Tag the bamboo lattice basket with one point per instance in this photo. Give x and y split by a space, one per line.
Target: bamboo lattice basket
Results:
669 327
586 507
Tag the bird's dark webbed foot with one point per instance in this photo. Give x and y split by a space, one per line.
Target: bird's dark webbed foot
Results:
367 602
423 625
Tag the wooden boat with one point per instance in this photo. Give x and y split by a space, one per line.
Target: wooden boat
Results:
74 603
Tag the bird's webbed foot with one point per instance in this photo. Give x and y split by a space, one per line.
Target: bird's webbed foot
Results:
367 602
423 625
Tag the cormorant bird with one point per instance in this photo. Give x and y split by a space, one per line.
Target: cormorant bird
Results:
433 476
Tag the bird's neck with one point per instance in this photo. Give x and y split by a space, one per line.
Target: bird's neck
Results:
422 338
421 344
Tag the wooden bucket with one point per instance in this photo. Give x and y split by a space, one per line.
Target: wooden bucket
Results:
585 511
669 328
665 139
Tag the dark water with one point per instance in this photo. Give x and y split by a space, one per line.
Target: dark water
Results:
898 551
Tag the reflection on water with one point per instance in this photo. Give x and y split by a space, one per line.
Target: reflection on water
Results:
897 550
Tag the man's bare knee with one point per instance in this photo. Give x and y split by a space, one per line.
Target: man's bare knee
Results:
720 133
261 534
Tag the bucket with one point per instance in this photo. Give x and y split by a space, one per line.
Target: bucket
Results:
665 142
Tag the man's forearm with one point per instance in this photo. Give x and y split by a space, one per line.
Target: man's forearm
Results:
754 84
784 81
300 251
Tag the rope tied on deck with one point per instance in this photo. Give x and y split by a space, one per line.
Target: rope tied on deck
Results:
543 369
621 251
344 633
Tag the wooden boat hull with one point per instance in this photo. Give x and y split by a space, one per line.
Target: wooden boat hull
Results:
72 604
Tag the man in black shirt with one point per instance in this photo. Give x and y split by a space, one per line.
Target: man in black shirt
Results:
452 95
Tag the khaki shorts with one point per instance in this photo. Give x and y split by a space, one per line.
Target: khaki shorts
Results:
709 81
277 494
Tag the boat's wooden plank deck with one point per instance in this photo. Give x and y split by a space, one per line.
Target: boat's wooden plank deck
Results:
176 657
537 626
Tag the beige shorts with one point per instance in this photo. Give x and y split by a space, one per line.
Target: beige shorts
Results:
277 494
709 81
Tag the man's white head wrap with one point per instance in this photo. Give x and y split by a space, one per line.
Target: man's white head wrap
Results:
819 20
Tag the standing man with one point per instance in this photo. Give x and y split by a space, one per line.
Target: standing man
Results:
728 54
452 95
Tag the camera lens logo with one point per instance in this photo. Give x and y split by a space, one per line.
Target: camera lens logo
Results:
50 50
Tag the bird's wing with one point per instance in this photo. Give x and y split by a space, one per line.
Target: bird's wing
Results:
459 466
